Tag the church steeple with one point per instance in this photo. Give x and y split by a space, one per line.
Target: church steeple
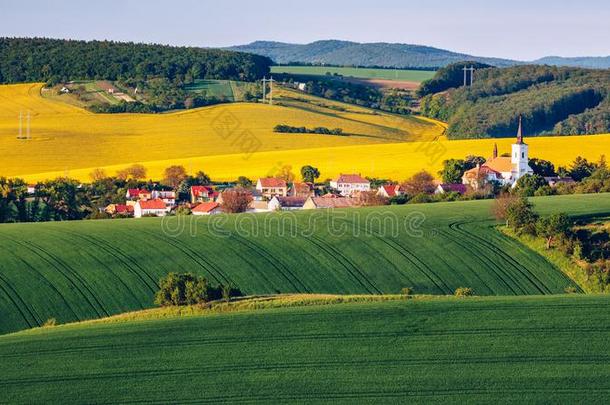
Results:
520 132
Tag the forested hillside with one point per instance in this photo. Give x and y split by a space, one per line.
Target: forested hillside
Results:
55 60
552 100
345 53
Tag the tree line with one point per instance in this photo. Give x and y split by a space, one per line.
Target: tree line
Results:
56 60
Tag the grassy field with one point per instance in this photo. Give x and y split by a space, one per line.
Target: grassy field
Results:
494 350
360 73
91 269
69 140
221 89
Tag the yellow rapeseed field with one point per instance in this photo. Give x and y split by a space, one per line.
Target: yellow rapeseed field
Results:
66 138
70 141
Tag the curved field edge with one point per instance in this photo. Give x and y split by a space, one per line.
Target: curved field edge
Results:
525 349
77 271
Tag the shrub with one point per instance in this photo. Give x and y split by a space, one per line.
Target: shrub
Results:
49 323
181 289
406 291
571 290
464 292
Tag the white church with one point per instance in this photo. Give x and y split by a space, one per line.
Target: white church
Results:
504 170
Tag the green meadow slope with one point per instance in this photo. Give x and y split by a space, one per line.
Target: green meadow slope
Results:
91 269
481 350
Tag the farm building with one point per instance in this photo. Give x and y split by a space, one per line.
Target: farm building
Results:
270 187
279 203
150 207
206 208
258 206
348 184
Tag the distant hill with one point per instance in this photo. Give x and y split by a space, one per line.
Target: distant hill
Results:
345 53
593 62
381 54
551 99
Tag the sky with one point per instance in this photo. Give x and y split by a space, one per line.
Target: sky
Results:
516 29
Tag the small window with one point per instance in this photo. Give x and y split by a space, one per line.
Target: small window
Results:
522 155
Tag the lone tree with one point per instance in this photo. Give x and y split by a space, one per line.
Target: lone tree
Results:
309 174
553 226
235 200
181 289
173 176
419 183
501 206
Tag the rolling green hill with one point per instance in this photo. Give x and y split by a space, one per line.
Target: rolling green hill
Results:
558 101
494 350
90 269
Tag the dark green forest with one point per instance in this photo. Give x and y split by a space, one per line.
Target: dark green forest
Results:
552 100
54 61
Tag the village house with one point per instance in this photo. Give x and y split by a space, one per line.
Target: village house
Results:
451 188
168 197
502 169
329 201
349 184
290 203
206 208
134 194
390 190
120 209
150 207
270 187
301 190
202 194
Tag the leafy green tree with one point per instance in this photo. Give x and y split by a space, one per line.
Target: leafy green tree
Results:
529 184
542 167
553 226
453 170
309 174
520 216
181 289
244 182
581 168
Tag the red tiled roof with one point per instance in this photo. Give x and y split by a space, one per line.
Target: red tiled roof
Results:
272 182
483 170
206 207
390 189
122 208
156 204
133 192
199 190
351 178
